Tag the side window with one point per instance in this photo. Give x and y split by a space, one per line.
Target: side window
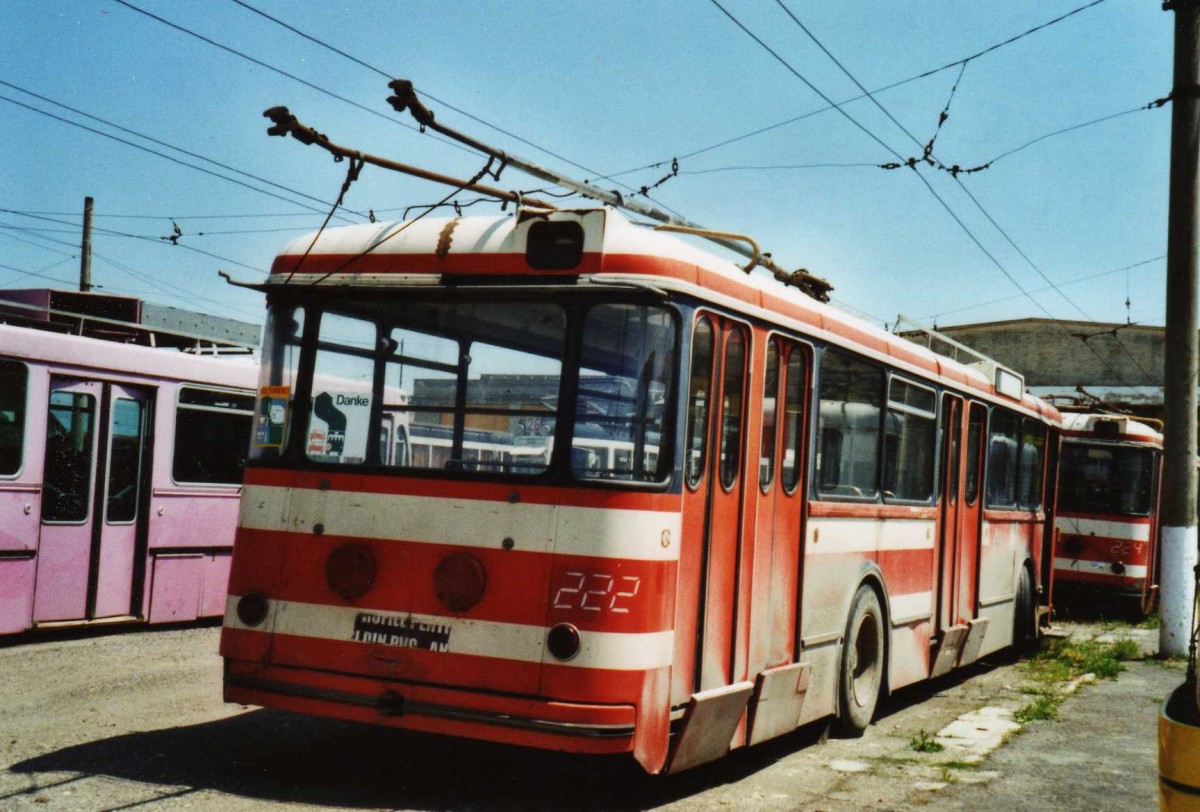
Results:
766 458
212 429
848 418
732 391
277 382
1003 451
125 460
628 354
67 486
14 384
1033 453
909 441
699 397
974 444
793 418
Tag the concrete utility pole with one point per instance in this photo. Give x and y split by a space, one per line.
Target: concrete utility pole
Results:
85 259
1179 539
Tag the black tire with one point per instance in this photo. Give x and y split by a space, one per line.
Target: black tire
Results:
860 678
1025 616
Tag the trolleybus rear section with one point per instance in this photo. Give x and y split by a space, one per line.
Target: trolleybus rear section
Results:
1109 480
563 482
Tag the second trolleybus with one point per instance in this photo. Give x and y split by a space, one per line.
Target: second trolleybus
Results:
121 456
807 513
1109 480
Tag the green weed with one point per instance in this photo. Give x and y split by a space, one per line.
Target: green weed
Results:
1044 708
924 743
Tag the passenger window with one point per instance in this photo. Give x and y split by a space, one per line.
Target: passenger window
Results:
1033 448
909 442
13 389
66 491
851 403
699 396
732 389
1003 454
793 418
766 460
212 428
125 461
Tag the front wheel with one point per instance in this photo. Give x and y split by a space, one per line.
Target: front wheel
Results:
860 679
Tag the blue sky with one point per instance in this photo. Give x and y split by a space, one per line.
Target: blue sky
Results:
1070 226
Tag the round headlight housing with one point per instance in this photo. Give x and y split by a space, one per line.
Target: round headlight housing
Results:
350 570
459 581
252 608
563 641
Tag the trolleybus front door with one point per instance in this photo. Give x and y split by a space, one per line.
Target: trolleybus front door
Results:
89 563
713 521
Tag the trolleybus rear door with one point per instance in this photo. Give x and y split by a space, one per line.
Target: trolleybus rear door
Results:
88 561
958 553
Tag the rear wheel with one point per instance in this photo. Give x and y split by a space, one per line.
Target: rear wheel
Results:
861 675
1025 615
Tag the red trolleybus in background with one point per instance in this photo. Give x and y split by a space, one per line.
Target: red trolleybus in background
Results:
1109 478
795 512
120 465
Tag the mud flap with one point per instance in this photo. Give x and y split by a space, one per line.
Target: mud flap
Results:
778 699
948 650
975 637
708 726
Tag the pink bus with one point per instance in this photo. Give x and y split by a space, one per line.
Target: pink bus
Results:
120 471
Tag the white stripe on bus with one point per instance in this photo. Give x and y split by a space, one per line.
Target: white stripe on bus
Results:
481 638
638 535
845 535
1104 529
906 608
1098 567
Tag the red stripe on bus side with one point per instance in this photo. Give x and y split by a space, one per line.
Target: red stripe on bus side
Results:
1099 548
521 587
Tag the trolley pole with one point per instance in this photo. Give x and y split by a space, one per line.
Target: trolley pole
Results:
1179 539
85 257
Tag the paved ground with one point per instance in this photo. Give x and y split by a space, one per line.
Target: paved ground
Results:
135 721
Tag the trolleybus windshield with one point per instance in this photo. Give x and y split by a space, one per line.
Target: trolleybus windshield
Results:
486 387
1103 479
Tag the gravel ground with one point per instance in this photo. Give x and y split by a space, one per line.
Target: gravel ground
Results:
134 720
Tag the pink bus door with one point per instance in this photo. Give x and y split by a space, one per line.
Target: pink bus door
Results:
88 562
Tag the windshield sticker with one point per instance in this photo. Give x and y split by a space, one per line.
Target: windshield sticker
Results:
271 423
338 429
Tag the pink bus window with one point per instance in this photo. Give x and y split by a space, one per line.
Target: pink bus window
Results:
13 387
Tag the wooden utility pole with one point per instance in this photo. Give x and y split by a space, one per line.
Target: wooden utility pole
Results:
1179 540
85 258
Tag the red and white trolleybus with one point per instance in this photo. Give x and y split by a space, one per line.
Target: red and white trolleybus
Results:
727 510
1109 479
